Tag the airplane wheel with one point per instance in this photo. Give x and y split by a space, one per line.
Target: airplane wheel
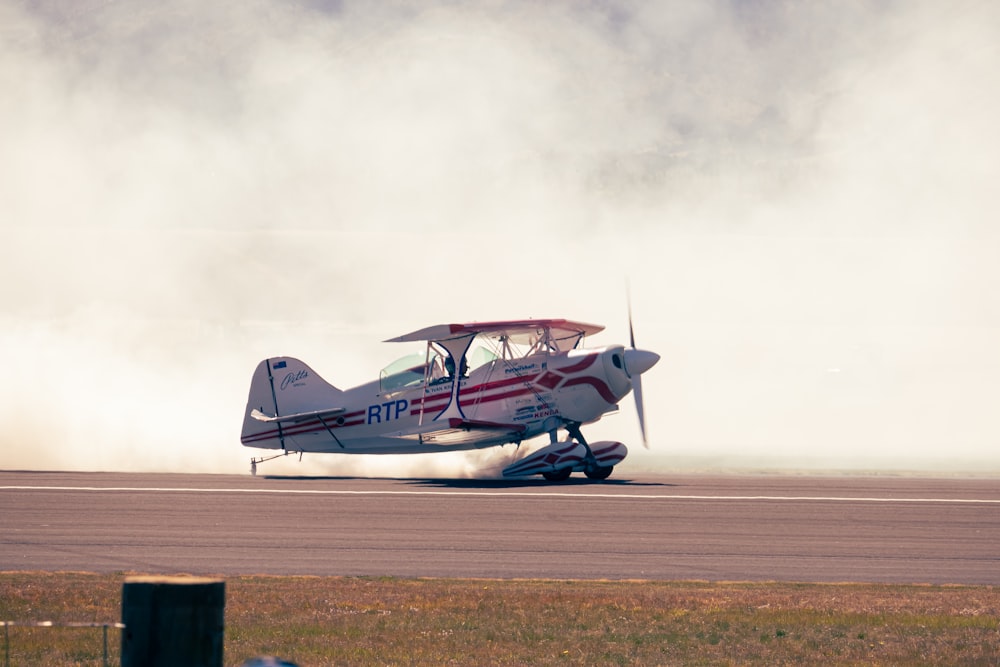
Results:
558 475
599 472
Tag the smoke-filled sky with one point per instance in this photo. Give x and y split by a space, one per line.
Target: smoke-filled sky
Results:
802 196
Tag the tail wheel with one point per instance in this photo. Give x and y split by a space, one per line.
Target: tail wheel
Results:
598 472
558 475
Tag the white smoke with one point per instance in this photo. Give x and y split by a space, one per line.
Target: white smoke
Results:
803 198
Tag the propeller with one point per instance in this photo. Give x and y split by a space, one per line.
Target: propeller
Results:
638 362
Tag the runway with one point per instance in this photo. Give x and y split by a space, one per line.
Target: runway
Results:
676 527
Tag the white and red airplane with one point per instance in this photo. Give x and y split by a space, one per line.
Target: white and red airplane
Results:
515 380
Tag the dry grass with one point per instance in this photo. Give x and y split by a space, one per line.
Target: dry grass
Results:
387 621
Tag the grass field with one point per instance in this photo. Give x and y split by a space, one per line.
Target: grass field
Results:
387 621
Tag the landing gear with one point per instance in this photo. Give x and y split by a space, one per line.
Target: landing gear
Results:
598 472
561 458
559 475
593 467
255 461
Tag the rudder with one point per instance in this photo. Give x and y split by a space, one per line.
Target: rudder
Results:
282 386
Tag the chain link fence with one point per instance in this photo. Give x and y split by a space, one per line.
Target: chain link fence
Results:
7 625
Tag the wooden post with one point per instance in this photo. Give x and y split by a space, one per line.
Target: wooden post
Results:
173 621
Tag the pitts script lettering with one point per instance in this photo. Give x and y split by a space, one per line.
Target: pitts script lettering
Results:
294 379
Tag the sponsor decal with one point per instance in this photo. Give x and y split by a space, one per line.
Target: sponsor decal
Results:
387 412
533 412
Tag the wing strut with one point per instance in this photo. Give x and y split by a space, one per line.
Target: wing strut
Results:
330 431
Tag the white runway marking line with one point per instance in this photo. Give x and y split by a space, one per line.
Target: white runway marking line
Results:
506 494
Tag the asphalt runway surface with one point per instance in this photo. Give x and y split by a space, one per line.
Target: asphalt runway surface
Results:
672 527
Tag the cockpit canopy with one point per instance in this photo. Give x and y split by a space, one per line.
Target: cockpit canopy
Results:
433 366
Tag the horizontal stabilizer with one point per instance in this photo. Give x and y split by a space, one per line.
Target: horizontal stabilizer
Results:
297 417
551 458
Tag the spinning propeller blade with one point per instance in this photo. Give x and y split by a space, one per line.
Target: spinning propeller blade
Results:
637 390
638 362
631 331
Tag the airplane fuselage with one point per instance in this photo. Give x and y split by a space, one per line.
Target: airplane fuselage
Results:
501 401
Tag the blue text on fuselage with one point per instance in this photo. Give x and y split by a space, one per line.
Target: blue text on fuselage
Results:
387 412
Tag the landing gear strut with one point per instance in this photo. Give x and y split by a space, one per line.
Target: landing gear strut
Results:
592 469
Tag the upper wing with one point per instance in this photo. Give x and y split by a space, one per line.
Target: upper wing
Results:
517 330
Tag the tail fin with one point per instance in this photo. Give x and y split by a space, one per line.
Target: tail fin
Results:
283 386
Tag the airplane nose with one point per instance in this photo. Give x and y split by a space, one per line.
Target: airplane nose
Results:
638 362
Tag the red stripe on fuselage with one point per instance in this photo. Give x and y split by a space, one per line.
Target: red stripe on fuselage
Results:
476 389
583 364
601 387
437 401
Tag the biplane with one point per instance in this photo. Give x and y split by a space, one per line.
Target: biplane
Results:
473 386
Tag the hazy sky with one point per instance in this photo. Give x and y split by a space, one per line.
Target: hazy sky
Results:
803 197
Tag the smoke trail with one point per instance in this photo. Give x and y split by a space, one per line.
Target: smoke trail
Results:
803 197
